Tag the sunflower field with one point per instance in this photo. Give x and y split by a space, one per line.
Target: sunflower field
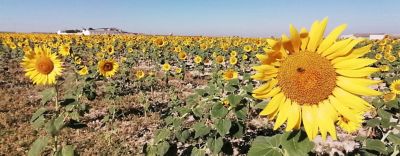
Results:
300 94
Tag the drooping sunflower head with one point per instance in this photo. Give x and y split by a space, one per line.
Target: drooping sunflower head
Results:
42 66
315 81
182 55
108 68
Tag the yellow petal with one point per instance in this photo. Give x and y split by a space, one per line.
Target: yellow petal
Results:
326 124
283 113
363 72
316 33
294 116
356 53
350 100
304 38
273 105
345 50
342 109
337 45
295 37
354 63
353 85
331 38
309 117
265 88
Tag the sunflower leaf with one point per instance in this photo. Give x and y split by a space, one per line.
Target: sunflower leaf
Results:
266 146
38 145
198 152
215 145
375 145
47 95
296 143
223 126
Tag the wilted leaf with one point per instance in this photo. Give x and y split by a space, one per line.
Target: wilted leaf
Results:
47 95
38 113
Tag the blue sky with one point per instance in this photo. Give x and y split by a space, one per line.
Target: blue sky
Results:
257 18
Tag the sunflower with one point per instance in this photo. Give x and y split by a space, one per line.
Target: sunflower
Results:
108 68
233 60
384 68
83 71
230 74
63 50
220 59
378 56
233 53
395 86
247 48
197 59
178 70
389 96
182 55
42 66
312 81
110 49
244 57
391 58
139 74
166 67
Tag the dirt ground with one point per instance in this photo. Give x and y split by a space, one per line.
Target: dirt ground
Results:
127 135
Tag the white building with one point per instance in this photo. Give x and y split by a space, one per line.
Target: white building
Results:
102 31
378 36
91 31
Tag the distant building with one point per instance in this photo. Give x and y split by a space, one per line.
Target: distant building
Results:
102 31
378 36
91 31
69 32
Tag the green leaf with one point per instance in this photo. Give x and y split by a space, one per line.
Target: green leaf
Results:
261 105
373 122
394 138
223 126
241 113
59 122
161 135
238 130
38 113
47 95
200 129
218 110
266 146
38 145
234 100
39 122
215 145
375 145
296 143
197 152
50 128
162 148
68 150
183 136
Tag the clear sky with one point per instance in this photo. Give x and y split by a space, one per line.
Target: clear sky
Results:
252 18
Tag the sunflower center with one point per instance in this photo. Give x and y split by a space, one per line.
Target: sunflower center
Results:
108 66
44 65
307 77
397 87
229 74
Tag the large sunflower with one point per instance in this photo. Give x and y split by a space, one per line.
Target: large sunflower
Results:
108 68
42 66
315 81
